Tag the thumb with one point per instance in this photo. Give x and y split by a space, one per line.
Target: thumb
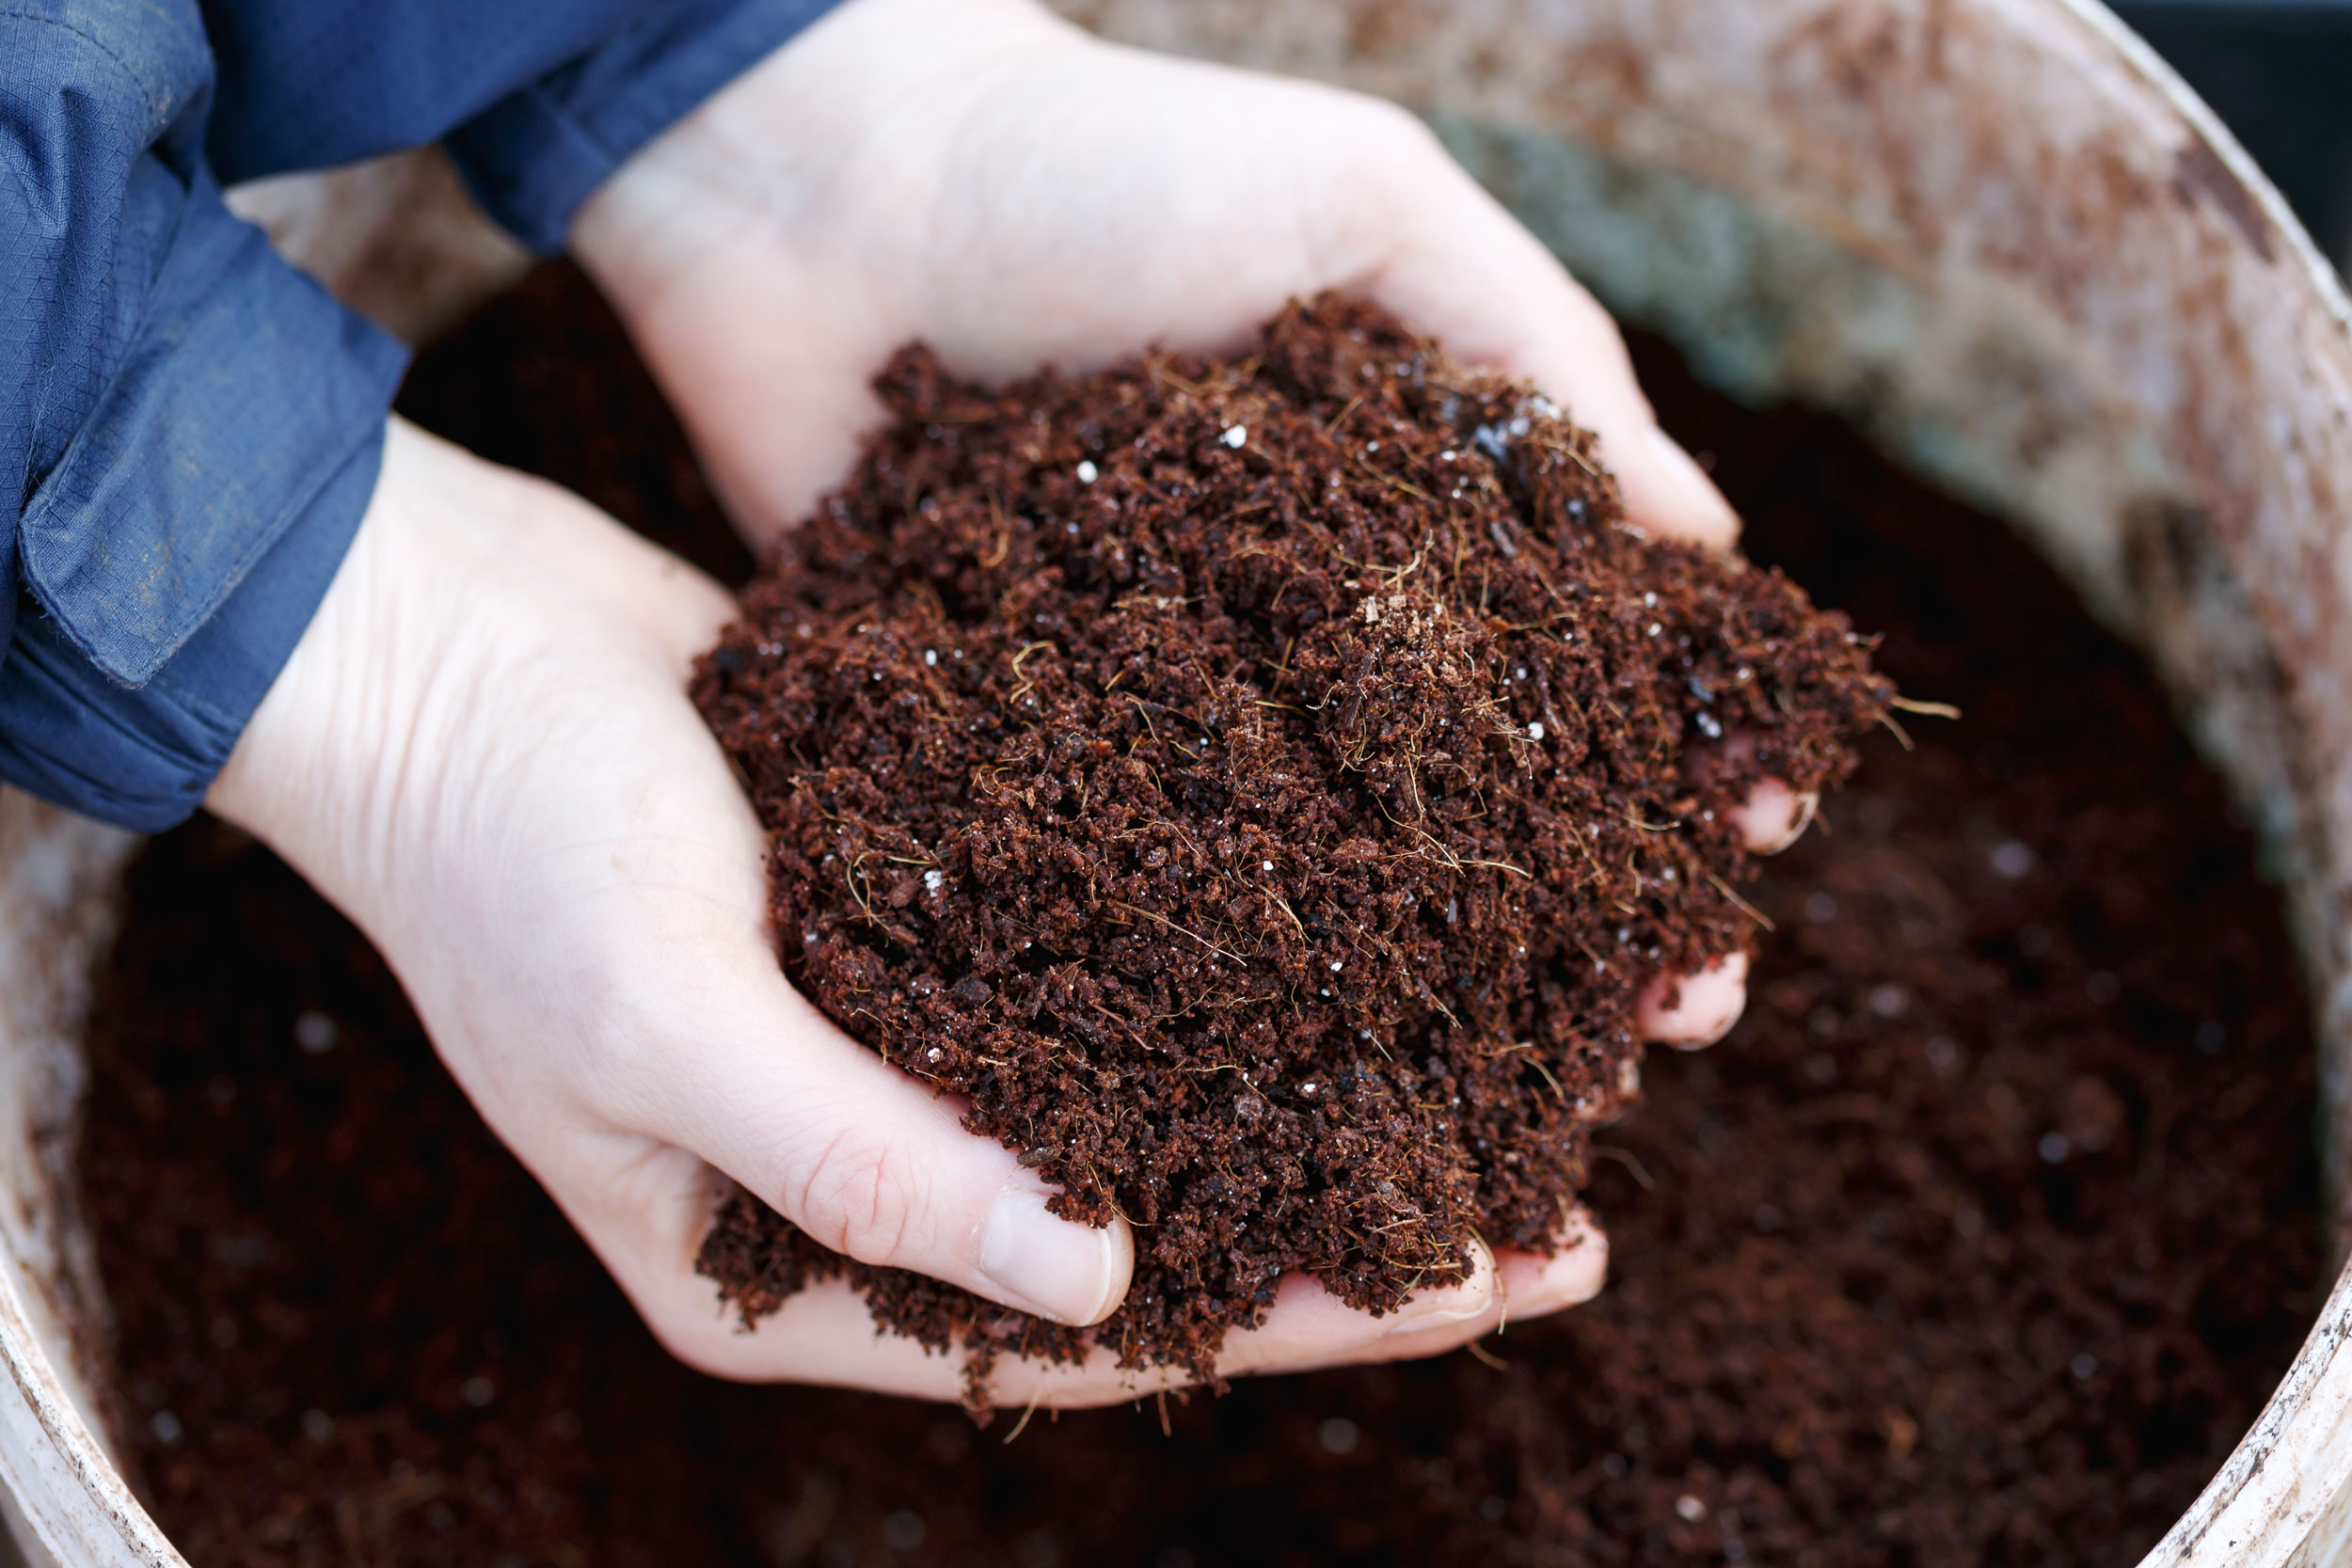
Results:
876 1166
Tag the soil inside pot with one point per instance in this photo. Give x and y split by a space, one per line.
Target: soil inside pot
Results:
1982 1238
1261 790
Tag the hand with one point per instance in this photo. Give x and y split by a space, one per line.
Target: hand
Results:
482 750
977 174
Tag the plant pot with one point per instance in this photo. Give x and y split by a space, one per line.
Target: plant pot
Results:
1999 234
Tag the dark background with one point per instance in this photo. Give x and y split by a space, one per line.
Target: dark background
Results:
2280 73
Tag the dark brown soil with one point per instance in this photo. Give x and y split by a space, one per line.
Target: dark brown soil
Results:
1262 790
1979 1242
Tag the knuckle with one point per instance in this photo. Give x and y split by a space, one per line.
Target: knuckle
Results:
853 1195
1393 157
1389 128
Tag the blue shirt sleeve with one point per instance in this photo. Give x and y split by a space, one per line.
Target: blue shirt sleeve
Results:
537 103
189 428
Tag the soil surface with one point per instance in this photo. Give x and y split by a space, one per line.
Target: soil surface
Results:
1262 790
1980 1239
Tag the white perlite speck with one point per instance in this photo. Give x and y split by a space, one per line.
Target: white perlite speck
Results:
1087 472
1534 731
1234 436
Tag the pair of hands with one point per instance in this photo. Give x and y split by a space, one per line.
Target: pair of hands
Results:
482 753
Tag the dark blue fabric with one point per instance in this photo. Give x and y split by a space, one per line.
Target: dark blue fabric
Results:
189 429
143 757
544 99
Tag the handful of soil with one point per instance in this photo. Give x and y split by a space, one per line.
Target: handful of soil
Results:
1262 790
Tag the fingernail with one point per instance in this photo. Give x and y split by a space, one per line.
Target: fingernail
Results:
1043 1264
1775 816
1807 803
1707 1006
1694 508
1419 1319
1456 1305
1713 1035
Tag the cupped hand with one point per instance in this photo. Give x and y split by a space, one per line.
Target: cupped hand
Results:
977 174
482 753
482 750
983 176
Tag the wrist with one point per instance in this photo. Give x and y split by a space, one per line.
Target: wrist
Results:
410 701
282 778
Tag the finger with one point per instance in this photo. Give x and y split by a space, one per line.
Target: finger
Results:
1451 261
1308 1327
826 1333
1534 1285
1689 1011
646 1223
869 1162
1774 817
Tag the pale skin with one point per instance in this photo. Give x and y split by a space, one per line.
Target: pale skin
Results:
482 753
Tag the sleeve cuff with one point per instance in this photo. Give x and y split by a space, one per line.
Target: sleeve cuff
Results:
143 758
242 390
168 564
536 155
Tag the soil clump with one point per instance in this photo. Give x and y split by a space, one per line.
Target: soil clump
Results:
1262 791
1980 1239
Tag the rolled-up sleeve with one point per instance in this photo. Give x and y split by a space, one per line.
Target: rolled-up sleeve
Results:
189 428
538 104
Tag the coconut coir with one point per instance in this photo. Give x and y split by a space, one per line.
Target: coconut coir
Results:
1262 790
1980 1239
